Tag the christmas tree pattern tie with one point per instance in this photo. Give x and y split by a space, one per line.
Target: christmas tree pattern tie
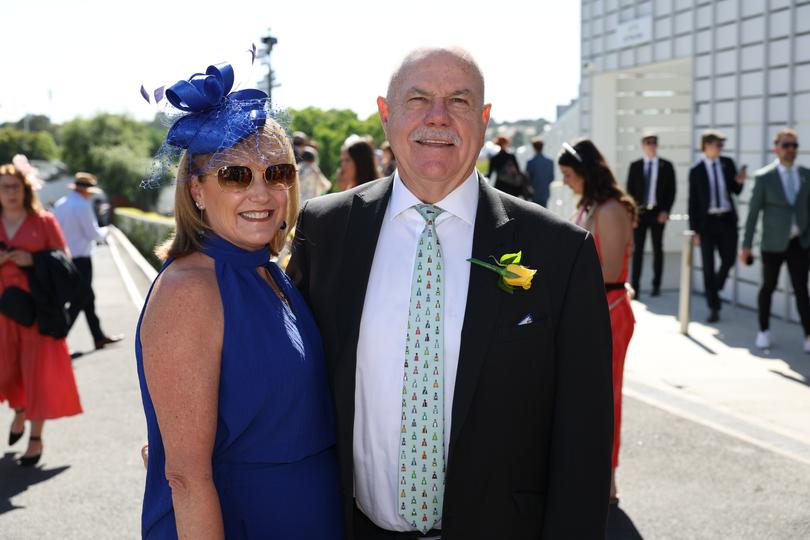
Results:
421 458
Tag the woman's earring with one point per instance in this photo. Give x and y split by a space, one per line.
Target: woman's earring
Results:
200 206
283 225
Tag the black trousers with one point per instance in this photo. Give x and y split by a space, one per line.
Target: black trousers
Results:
719 234
648 220
86 299
365 529
798 263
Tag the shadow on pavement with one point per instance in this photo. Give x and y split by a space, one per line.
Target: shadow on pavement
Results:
737 328
16 479
620 526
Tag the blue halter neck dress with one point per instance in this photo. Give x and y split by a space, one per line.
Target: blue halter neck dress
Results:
274 464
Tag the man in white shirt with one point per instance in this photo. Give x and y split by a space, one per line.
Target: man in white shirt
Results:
713 179
782 194
495 420
80 227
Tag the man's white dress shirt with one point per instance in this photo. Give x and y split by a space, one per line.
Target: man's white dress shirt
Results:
650 195
723 205
381 344
78 223
790 177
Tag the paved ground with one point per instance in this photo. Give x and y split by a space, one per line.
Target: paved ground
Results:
716 435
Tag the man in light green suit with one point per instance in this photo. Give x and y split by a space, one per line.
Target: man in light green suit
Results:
782 194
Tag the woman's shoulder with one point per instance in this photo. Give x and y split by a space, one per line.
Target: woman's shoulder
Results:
45 217
189 282
613 210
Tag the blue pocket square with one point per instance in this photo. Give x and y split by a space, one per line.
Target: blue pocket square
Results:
527 319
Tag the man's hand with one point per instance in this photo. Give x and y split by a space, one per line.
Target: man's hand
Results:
741 176
20 258
745 255
3 256
663 217
696 240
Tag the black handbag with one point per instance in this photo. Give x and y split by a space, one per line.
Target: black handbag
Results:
18 305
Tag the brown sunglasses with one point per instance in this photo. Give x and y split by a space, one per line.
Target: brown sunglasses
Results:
279 177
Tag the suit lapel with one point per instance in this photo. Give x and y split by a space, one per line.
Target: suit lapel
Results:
492 236
776 180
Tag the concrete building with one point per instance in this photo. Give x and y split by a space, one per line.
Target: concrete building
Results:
682 66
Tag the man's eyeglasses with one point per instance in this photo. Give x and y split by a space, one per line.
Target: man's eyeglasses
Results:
651 142
789 146
236 178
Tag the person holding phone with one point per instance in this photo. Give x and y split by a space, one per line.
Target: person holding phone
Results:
782 195
713 179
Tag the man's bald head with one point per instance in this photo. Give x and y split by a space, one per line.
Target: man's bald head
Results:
462 56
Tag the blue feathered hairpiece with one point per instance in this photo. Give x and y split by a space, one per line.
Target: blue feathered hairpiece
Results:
213 119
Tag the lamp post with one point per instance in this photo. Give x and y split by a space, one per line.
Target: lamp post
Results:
269 41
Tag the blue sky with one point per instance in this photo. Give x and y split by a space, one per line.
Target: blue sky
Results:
68 59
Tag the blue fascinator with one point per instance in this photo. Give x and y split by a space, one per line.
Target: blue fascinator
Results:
208 119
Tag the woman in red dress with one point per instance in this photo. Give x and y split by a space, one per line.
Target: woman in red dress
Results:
36 375
609 213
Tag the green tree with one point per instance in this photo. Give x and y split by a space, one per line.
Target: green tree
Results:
117 149
329 128
39 145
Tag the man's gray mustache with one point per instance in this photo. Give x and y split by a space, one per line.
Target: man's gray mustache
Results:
435 135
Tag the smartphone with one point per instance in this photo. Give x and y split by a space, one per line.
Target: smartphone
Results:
749 260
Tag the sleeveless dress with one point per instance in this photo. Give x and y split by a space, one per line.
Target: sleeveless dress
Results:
36 372
622 323
274 463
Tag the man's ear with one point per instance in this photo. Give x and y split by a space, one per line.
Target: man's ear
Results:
382 108
485 113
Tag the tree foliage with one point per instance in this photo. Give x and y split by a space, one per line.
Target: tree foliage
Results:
35 145
330 129
115 148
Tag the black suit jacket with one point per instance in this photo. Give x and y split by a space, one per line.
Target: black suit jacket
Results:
664 185
699 197
531 431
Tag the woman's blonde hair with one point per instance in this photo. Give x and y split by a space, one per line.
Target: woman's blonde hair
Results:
189 223
30 200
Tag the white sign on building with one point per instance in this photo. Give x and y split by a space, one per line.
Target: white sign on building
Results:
634 32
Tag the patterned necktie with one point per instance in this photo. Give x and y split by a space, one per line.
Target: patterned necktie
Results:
421 458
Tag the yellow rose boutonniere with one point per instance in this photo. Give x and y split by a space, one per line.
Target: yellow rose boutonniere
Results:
512 273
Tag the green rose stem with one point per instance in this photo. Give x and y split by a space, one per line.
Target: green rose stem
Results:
500 270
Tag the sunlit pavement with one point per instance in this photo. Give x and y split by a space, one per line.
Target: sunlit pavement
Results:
716 435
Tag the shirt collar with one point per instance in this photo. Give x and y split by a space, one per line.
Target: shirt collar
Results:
782 169
711 162
648 160
462 202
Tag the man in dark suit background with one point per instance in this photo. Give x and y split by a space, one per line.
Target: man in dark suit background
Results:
651 182
524 402
782 194
540 171
712 215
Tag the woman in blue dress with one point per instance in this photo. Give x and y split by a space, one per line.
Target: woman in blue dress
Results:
238 410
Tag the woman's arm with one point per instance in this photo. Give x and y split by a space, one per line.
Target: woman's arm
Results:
614 228
181 335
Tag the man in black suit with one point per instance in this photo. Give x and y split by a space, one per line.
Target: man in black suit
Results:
651 182
712 215
526 401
